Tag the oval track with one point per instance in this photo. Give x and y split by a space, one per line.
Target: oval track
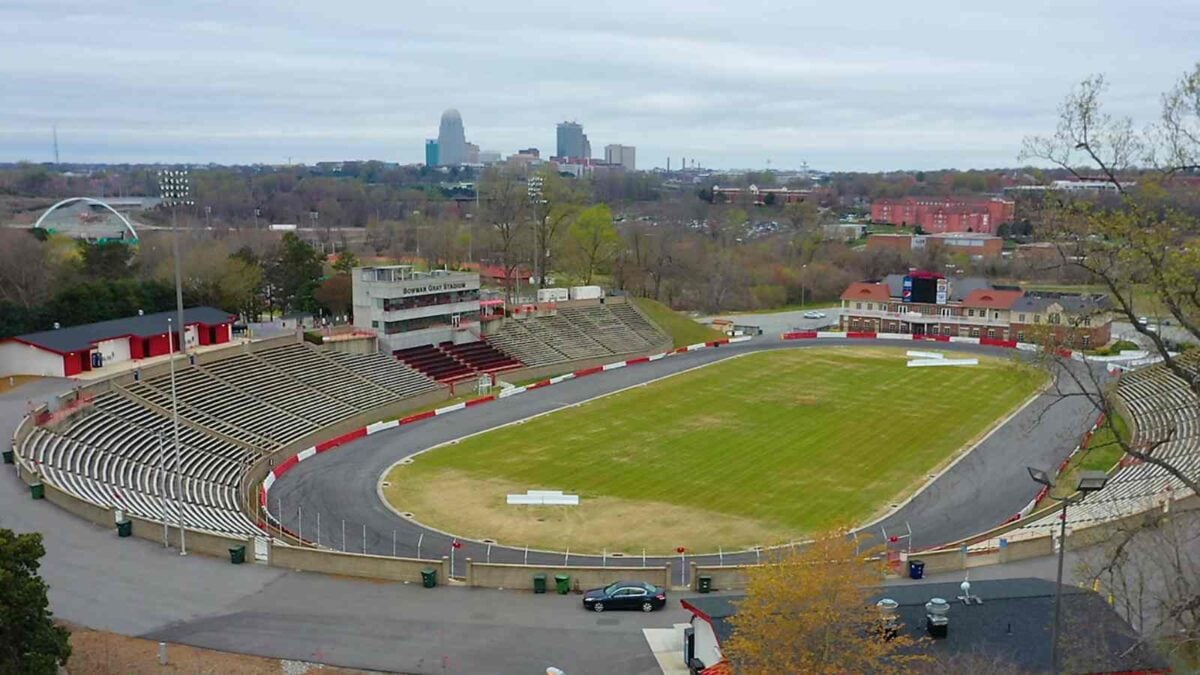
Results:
978 492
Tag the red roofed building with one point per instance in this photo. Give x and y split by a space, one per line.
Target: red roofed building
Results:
935 215
972 307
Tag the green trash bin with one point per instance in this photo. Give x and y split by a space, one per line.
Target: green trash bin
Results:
37 491
8 456
237 555
429 577
562 584
539 583
125 528
704 583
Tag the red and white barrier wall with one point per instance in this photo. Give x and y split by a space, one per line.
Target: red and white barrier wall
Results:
377 427
986 342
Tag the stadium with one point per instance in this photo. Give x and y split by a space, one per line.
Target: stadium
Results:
481 444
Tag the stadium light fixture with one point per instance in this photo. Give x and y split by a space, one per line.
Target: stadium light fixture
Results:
1040 476
1086 483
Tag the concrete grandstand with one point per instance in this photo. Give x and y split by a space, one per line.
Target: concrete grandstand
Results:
266 415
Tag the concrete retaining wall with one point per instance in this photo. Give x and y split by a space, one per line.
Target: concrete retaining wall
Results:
94 513
205 543
355 564
727 578
496 575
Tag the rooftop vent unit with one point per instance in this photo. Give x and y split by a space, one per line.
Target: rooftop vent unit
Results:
937 617
889 624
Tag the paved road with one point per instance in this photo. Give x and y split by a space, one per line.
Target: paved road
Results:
977 493
136 587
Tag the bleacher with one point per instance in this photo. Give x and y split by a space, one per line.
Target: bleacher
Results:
1163 408
434 362
577 332
231 411
481 356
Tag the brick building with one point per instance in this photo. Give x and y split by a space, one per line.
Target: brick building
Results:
973 307
945 214
757 196
976 246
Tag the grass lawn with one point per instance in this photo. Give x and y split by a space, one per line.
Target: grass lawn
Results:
759 449
682 330
1102 454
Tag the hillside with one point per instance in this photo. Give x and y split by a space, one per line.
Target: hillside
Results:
683 331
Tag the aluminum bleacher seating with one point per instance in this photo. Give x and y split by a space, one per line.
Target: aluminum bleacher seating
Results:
1164 412
577 332
121 451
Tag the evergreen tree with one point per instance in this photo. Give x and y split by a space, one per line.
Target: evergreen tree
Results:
29 640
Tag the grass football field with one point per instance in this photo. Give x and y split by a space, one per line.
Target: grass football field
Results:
756 450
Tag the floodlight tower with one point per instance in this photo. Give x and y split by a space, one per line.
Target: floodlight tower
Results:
176 190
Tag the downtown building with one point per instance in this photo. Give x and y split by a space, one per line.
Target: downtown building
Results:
621 155
572 143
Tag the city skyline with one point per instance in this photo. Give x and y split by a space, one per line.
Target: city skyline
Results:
862 90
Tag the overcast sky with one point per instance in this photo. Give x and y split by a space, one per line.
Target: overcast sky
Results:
850 85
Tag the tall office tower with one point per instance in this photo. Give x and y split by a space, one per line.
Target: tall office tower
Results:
431 152
572 143
452 140
621 154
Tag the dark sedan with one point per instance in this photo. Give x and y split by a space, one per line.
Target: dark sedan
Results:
625 595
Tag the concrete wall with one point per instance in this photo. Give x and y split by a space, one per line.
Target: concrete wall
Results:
18 358
206 543
727 578
355 564
495 575
94 513
540 372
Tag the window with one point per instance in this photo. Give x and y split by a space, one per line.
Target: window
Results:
974 332
1087 320
1055 318
946 311
858 305
970 312
1037 318
1021 336
991 332
1086 340
869 306
904 309
995 315
1020 318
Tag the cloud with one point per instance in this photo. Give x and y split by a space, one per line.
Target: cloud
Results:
839 85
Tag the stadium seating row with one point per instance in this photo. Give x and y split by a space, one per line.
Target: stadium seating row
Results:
573 333
121 453
1165 413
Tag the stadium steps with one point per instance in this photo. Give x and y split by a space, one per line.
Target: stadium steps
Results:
434 362
480 356
160 402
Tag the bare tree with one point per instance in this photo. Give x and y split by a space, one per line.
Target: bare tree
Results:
24 279
504 203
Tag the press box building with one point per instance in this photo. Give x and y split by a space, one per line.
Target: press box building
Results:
409 308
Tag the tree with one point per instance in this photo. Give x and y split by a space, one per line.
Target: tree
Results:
294 273
24 280
29 640
594 240
106 260
346 262
1144 241
811 612
336 294
504 200
561 200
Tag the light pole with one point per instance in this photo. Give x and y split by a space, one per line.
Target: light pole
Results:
257 213
176 190
208 217
162 481
1087 482
535 198
175 422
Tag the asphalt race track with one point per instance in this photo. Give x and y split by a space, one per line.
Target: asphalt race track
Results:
977 493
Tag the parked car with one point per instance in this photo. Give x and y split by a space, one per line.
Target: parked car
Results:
814 314
625 595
